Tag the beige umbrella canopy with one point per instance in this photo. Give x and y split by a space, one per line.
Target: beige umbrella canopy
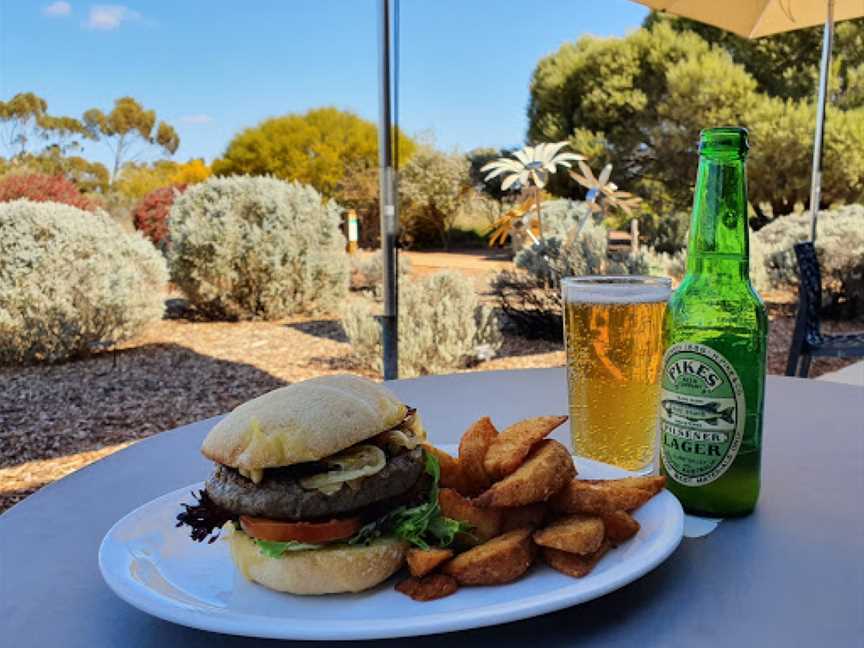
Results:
755 18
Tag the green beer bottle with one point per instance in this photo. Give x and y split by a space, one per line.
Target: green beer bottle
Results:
713 381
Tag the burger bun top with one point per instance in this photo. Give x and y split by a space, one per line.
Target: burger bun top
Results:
306 421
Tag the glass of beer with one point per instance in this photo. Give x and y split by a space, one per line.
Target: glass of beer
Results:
613 329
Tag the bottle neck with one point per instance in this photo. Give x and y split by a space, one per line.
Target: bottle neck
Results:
719 242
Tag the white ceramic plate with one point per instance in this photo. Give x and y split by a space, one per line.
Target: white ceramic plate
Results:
156 567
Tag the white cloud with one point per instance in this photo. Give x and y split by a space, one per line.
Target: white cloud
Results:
108 17
57 9
196 119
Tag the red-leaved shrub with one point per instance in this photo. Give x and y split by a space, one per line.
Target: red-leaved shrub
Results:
151 214
40 187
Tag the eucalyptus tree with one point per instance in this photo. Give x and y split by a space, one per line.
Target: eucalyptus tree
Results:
129 125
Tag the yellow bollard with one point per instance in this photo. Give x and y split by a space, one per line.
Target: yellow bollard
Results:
352 231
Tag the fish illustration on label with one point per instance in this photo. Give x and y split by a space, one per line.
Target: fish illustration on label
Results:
707 412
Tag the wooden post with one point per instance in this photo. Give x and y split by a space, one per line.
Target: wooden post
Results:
634 236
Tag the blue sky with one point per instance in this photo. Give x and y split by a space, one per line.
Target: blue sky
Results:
213 68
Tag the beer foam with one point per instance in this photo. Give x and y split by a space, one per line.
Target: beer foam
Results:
579 292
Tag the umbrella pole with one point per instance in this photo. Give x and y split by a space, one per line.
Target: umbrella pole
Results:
824 71
387 198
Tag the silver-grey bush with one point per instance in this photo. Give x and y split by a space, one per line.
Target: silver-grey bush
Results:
442 326
71 282
256 247
580 251
839 244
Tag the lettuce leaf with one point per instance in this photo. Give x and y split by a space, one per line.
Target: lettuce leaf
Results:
419 525
276 549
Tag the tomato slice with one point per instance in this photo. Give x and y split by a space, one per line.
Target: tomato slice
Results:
310 532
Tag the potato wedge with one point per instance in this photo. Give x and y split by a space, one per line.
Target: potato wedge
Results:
530 515
573 564
509 449
501 560
620 527
423 561
486 522
597 499
651 483
579 534
428 588
451 472
472 451
546 470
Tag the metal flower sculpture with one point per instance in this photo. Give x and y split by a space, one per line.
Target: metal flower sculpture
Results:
510 221
530 168
602 193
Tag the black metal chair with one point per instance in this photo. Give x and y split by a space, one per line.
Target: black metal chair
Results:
808 341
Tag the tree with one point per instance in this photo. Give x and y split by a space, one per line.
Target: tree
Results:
787 65
358 190
480 157
127 125
432 187
191 172
315 148
640 102
89 177
26 120
138 180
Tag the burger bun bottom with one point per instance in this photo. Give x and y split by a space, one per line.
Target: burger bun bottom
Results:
332 570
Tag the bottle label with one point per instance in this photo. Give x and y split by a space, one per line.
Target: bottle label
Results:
702 414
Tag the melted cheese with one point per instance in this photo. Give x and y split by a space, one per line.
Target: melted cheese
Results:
256 474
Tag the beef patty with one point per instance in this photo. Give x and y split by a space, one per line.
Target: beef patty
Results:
281 496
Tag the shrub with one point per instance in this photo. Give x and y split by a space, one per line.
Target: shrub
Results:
40 187
584 251
482 208
839 244
675 265
433 187
442 326
151 214
667 232
367 272
560 216
530 297
531 309
758 270
71 282
665 264
246 247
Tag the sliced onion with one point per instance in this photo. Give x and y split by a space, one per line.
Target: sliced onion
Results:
414 425
359 461
400 439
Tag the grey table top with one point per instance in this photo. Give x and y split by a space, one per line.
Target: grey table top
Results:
791 574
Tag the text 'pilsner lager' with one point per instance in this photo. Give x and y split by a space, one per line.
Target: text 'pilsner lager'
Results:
713 381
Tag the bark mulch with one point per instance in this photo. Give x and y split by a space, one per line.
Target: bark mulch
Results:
58 418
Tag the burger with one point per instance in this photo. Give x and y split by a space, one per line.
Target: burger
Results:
320 487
